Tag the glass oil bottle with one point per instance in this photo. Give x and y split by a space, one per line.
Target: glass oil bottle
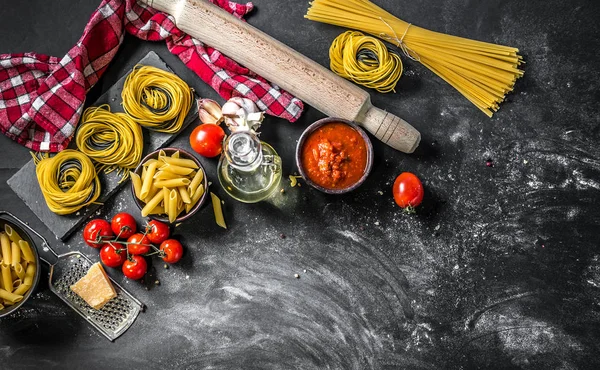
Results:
249 170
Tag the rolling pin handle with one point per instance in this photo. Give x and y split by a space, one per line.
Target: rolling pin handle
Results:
392 130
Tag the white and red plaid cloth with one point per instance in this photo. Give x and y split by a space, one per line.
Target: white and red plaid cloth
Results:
42 97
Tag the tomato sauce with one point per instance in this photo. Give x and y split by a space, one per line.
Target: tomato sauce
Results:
334 156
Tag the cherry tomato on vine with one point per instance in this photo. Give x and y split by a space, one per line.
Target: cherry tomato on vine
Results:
158 231
207 140
135 267
140 244
408 190
123 225
95 231
113 254
172 249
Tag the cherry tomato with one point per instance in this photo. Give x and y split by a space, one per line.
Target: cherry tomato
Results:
207 140
95 231
173 250
113 254
135 267
140 244
158 231
408 190
123 225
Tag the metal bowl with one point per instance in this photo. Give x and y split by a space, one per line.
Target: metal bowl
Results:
182 154
313 127
6 219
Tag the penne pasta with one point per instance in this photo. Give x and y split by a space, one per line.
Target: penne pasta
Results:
157 210
196 181
166 195
7 280
175 155
19 270
180 162
172 207
161 154
22 289
5 245
172 183
29 272
158 197
10 297
15 254
12 234
147 180
16 284
153 191
26 251
137 184
218 210
166 175
195 198
176 169
184 195
149 162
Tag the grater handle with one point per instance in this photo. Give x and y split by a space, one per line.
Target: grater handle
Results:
45 245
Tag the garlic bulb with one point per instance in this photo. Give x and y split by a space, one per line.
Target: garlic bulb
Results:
241 114
209 111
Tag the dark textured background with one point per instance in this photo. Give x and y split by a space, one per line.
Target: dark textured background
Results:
499 269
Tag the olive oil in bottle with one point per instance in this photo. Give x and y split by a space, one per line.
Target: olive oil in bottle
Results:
249 170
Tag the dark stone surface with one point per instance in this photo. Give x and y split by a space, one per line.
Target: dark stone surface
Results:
499 269
24 183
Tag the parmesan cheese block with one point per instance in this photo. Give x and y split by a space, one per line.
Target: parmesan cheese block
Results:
95 287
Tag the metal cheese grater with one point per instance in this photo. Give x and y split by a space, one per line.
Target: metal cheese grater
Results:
114 318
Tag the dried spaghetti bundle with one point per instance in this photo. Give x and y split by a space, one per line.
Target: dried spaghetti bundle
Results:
483 72
67 180
156 99
366 61
112 139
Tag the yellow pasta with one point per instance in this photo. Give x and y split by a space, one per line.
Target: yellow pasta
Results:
181 162
18 269
67 180
156 99
7 279
184 195
179 170
10 297
172 210
26 251
29 273
176 181
196 181
137 183
22 289
483 72
365 60
147 180
218 210
195 198
6 249
172 183
114 140
15 254
12 234
158 197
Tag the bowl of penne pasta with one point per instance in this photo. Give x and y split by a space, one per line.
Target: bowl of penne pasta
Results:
169 185
19 266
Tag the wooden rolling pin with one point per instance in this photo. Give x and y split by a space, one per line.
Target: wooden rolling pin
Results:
287 68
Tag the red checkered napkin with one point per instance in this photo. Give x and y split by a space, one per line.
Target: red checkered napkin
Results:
42 97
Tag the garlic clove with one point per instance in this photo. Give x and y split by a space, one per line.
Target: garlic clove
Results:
209 111
230 108
206 117
255 117
249 106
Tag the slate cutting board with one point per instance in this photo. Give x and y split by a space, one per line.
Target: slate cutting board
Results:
25 183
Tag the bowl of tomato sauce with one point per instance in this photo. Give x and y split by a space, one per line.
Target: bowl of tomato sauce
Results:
334 155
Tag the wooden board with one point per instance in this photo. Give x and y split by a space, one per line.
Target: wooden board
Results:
25 183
